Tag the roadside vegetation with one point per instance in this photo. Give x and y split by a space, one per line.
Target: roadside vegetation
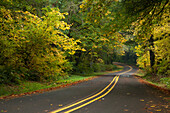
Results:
145 26
46 41
31 87
159 81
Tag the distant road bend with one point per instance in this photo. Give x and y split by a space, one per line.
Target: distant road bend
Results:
118 92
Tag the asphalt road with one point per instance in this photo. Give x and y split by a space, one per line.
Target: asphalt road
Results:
105 94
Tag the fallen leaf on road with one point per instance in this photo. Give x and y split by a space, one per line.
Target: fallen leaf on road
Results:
51 104
142 100
126 110
46 110
128 93
3 111
166 98
60 105
148 108
158 110
150 102
166 106
153 106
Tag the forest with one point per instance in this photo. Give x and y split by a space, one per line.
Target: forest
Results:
46 40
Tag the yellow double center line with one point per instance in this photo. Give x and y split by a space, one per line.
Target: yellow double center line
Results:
116 78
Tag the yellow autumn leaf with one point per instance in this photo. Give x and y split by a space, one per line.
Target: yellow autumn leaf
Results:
158 110
81 6
126 110
83 49
153 106
106 14
141 100
60 105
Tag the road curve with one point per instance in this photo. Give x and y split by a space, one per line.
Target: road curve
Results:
113 93
92 98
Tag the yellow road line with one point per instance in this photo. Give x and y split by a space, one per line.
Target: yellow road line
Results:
84 99
126 71
94 99
93 95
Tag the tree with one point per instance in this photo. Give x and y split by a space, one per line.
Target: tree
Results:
95 37
34 48
150 15
140 17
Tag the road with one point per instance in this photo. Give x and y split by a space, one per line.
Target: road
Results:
118 92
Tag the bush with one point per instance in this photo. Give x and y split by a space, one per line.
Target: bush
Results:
97 67
110 67
84 68
34 48
9 75
166 80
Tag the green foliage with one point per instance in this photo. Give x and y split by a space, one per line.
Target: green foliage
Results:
149 24
160 48
146 20
166 80
41 43
7 75
34 48
30 86
33 6
96 33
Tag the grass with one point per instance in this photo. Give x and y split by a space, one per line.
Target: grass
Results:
140 73
156 80
30 86
159 81
166 80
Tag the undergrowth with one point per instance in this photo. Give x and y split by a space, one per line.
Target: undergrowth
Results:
30 86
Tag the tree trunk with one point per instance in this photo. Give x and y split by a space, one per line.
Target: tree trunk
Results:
152 58
152 54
